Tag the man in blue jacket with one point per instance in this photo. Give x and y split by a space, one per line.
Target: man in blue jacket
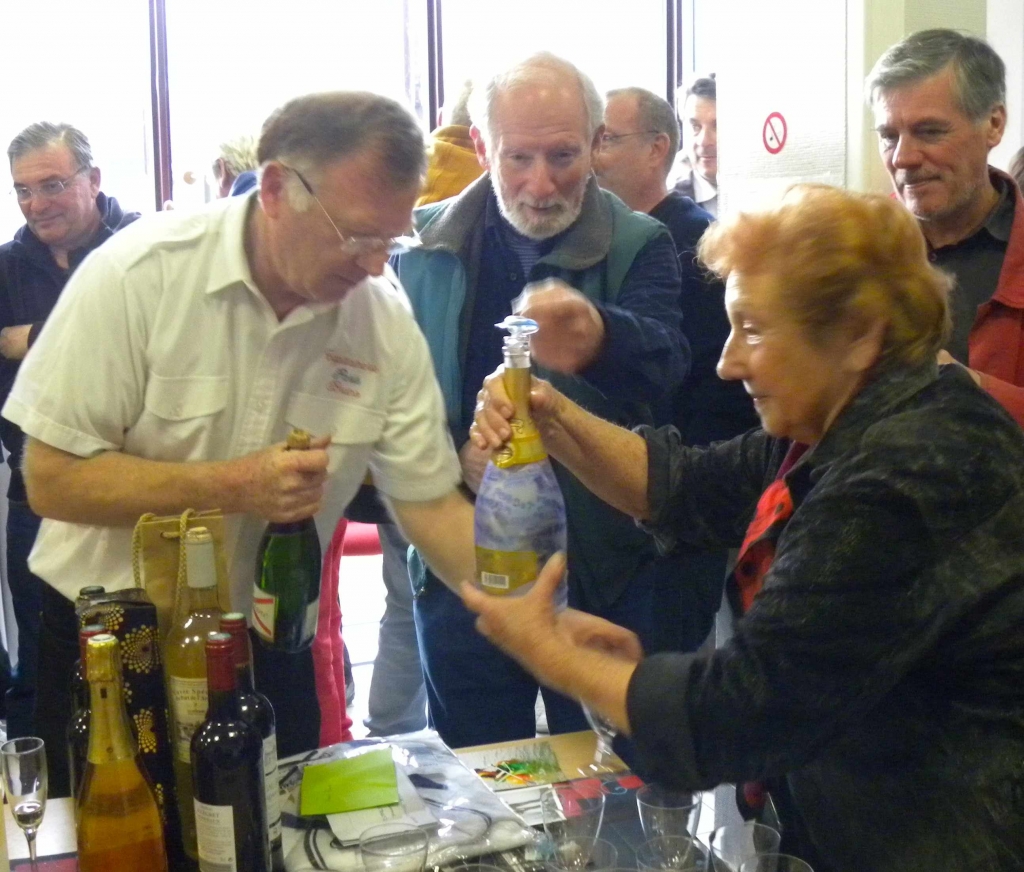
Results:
536 235
66 217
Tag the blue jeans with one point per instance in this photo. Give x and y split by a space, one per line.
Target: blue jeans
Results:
398 698
477 695
26 594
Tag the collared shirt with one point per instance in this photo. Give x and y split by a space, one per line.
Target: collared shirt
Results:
976 263
705 194
163 347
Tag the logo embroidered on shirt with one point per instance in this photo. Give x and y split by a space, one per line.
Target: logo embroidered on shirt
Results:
345 381
343 360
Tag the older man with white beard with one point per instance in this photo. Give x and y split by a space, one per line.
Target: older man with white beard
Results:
536 235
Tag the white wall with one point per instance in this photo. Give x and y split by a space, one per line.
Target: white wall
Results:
1005 24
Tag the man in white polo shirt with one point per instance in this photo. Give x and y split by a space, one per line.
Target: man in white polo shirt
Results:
181 354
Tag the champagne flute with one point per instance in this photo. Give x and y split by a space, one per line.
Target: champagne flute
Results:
605 733
24 769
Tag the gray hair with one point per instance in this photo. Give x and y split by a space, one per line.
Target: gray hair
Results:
458 112
310 132
541 67
654 113
45 133
979 74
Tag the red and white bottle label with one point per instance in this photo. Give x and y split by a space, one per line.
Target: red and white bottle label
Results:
264 613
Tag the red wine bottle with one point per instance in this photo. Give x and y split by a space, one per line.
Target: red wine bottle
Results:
227 773
259 714
78 727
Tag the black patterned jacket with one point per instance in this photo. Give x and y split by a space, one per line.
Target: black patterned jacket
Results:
880 671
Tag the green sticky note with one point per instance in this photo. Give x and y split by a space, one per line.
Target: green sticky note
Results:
365 781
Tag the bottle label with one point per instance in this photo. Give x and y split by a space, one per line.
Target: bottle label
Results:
309 622
189 699
505 572
264 613
215 830
525 445
270 786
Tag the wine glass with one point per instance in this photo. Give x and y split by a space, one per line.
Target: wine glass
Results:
24 768
605 731
732 844
671 853
775 863
394 847
667 812
572 810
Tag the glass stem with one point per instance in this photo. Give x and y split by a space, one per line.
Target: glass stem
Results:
30 837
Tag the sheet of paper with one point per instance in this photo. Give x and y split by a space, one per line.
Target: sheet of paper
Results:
518 766
410 809
361 782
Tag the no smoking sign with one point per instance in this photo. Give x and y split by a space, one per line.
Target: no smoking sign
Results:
774 133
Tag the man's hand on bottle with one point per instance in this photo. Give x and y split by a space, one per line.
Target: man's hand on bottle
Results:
282 485
571 330
490 427
473 460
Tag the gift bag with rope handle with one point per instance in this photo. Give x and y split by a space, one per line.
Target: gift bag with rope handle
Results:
158 559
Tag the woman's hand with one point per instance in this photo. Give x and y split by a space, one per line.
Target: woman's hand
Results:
546 642
494 409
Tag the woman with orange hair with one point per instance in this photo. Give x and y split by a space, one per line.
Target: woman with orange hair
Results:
876 678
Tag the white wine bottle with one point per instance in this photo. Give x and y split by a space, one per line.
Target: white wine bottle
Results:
520 514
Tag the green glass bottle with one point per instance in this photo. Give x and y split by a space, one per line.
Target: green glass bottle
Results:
519 518
286 597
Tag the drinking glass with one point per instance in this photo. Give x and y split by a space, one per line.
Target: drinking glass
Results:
605 733
24 768
775 863
667 812
733 844
671 852
572 810
577 854
394 848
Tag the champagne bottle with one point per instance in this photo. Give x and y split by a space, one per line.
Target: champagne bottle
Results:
117 821
78 727
286 597
258 713
196 616
519 519
227 774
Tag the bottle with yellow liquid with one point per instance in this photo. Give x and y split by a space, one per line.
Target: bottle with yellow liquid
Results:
520 514
117 819
197 615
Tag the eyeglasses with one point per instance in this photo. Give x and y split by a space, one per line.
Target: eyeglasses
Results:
362 245
608 139
50 189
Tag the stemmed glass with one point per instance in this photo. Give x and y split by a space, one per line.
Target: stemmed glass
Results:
605 733
24 768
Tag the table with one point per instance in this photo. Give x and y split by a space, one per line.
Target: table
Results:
575 751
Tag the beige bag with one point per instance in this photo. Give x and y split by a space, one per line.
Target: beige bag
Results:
158 559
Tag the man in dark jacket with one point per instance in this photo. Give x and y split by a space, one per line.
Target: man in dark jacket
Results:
66 217
637 148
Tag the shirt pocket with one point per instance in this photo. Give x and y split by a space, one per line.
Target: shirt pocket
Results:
354 429
182 413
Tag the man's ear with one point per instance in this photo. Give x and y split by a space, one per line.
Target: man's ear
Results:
659 149
273 188
481 147
94 180
996 123
595 143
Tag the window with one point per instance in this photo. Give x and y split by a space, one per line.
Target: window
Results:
231 63
90 69
615 50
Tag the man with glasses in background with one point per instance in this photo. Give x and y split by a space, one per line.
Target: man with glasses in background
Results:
183 353
537 235
66 217
639 143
